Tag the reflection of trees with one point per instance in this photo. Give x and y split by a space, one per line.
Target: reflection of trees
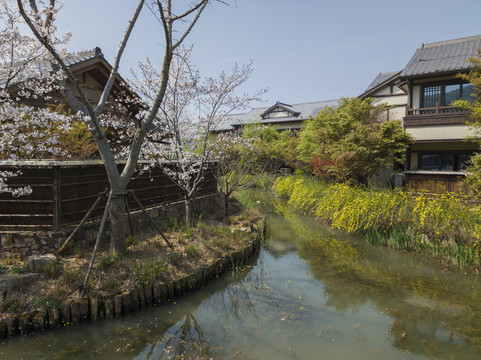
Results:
433 315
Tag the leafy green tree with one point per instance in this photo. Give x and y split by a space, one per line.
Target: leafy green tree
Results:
473 178
351 142
275 148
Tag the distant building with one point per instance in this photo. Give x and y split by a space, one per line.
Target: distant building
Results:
387 89
282 115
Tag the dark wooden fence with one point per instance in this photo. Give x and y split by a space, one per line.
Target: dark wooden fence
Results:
434 181
63 192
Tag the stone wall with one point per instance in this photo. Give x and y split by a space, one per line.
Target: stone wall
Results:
26 243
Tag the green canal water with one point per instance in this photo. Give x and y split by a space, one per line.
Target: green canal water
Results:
310 294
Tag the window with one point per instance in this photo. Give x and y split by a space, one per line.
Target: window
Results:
468 91
432 96
443 161
445 94
451 93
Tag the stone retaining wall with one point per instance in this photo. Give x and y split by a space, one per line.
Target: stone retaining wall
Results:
90 309
27 243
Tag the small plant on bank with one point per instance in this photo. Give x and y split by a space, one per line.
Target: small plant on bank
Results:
131 240
12 304
17 270
72 277
52 270
188 231
107 261
46 302
175 257
146 272
192 251
220 243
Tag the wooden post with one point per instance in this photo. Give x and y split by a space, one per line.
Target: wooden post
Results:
149 217
86 217
128 215
57 198
99 235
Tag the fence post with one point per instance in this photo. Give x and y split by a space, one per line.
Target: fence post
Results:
57 198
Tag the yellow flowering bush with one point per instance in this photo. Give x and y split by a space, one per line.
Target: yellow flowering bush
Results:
444 224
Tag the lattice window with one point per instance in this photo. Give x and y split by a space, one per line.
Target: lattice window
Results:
432 96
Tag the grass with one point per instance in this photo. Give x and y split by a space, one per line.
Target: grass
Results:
148 271
52 270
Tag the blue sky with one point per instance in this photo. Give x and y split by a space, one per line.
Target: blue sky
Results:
303 50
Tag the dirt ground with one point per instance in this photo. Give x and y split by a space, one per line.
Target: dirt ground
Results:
148 259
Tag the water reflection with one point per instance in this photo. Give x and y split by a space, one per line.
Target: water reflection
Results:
310 294
436 311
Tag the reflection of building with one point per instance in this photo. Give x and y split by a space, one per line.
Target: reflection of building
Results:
284 116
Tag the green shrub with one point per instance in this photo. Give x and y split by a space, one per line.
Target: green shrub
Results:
146 272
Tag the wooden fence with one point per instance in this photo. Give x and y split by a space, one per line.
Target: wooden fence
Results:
434 181
63 192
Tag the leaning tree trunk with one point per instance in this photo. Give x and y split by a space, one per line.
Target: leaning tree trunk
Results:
118 219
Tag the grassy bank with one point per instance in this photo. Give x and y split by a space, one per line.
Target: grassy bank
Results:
148 261
444 225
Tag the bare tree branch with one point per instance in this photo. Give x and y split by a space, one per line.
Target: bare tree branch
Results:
190 11
205 2
115 67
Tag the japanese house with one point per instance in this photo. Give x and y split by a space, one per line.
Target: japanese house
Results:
440 152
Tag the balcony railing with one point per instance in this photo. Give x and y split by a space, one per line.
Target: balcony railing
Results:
439 115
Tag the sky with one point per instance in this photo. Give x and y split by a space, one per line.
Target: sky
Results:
303 50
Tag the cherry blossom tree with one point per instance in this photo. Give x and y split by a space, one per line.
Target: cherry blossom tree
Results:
192 110
239 163
176 23
27 131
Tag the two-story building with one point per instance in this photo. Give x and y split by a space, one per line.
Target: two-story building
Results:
432 81
387 88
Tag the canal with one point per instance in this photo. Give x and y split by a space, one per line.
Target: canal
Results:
311 293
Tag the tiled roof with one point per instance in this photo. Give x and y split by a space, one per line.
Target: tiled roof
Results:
443 56
81 56
45 67
304 111
380 79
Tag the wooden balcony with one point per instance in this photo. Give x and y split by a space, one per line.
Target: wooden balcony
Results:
439 115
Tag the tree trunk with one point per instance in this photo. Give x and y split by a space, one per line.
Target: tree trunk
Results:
118 219
226 204
188 210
